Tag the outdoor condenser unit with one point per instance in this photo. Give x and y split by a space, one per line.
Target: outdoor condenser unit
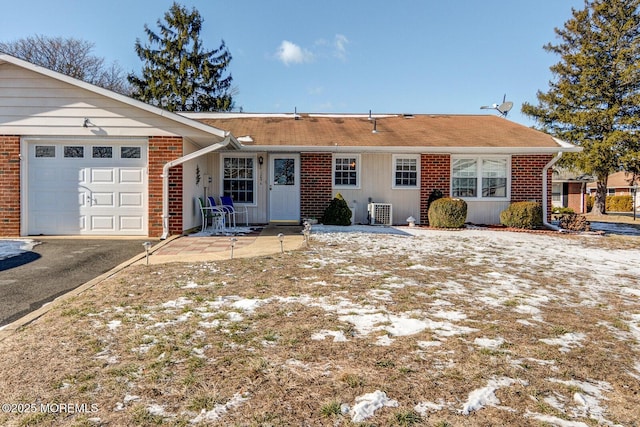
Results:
380 213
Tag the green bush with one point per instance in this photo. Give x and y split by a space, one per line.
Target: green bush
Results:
338 212
522 215
447 213
562 211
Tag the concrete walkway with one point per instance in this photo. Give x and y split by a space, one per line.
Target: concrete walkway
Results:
211 248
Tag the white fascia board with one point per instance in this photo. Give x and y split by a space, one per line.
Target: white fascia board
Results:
412 149
113 95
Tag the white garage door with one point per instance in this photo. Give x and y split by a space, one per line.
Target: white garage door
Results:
97 188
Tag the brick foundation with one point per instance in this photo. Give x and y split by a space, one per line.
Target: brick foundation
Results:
163 149
435 171
9 185
315 184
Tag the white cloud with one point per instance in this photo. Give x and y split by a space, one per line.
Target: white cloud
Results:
291 53
340 44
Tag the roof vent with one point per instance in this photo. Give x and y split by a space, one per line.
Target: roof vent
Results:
370 118
408 116
375 126
295 114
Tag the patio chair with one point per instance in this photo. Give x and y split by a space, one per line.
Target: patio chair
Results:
239 210
228 210
213 214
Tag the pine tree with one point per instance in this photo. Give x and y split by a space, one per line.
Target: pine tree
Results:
594 99
178 73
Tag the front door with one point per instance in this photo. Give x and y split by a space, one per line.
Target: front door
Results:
284 189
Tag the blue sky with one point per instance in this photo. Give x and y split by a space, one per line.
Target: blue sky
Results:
338 56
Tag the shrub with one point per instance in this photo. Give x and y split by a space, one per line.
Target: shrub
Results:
433 196
447 213
619 203
562 211
522 215
574 222
614 203
338 212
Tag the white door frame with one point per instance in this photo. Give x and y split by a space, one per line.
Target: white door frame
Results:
284 188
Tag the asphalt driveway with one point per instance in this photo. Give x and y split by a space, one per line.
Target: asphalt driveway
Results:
57 266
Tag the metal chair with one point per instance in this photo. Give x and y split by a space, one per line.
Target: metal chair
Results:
231 217
237 210
215 214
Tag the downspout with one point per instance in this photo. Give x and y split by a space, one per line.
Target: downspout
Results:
176 162
545 189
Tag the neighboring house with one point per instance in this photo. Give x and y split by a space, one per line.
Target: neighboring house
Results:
569 189
77 159
619 184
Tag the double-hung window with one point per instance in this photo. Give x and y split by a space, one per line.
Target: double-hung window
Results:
482 177
405 171
238 178
346 171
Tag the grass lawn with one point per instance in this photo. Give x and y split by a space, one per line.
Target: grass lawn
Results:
437 328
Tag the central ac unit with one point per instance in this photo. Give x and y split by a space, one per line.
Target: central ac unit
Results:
380 213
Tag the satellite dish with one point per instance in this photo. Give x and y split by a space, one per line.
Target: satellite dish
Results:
503 108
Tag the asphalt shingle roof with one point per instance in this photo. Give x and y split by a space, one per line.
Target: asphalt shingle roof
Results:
393 130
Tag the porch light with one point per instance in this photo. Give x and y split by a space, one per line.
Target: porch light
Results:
281 238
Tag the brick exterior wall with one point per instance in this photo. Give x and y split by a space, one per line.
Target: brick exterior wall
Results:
315 184
9 185
163 149
526 179
435 171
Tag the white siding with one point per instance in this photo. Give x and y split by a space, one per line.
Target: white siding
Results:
376 183
485 212
33 104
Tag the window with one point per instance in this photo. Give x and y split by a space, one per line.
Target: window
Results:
479 177
238 179
73 151
45 151
345 171
611 191
130 152
556 192
494 178
102 152
464 178
405 172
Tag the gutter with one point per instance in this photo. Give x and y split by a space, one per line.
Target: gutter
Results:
545 189
165 176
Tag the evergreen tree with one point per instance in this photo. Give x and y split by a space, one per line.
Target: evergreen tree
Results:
178 73
594 99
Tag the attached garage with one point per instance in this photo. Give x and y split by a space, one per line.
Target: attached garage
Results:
77 187
77 159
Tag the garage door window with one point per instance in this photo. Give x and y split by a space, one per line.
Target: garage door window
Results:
73 151
102 152
130 152
45 151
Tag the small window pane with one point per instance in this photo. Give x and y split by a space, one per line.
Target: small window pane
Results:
73 151
102 152
45 151
130 152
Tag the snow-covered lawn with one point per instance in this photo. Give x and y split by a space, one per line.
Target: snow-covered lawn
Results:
418 327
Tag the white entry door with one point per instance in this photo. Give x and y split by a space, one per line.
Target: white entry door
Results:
81 188
284 188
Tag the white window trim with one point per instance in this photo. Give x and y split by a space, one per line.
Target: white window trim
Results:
415 157
358 171
478 160
255 173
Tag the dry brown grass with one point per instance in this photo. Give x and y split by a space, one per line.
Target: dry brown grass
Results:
199 352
